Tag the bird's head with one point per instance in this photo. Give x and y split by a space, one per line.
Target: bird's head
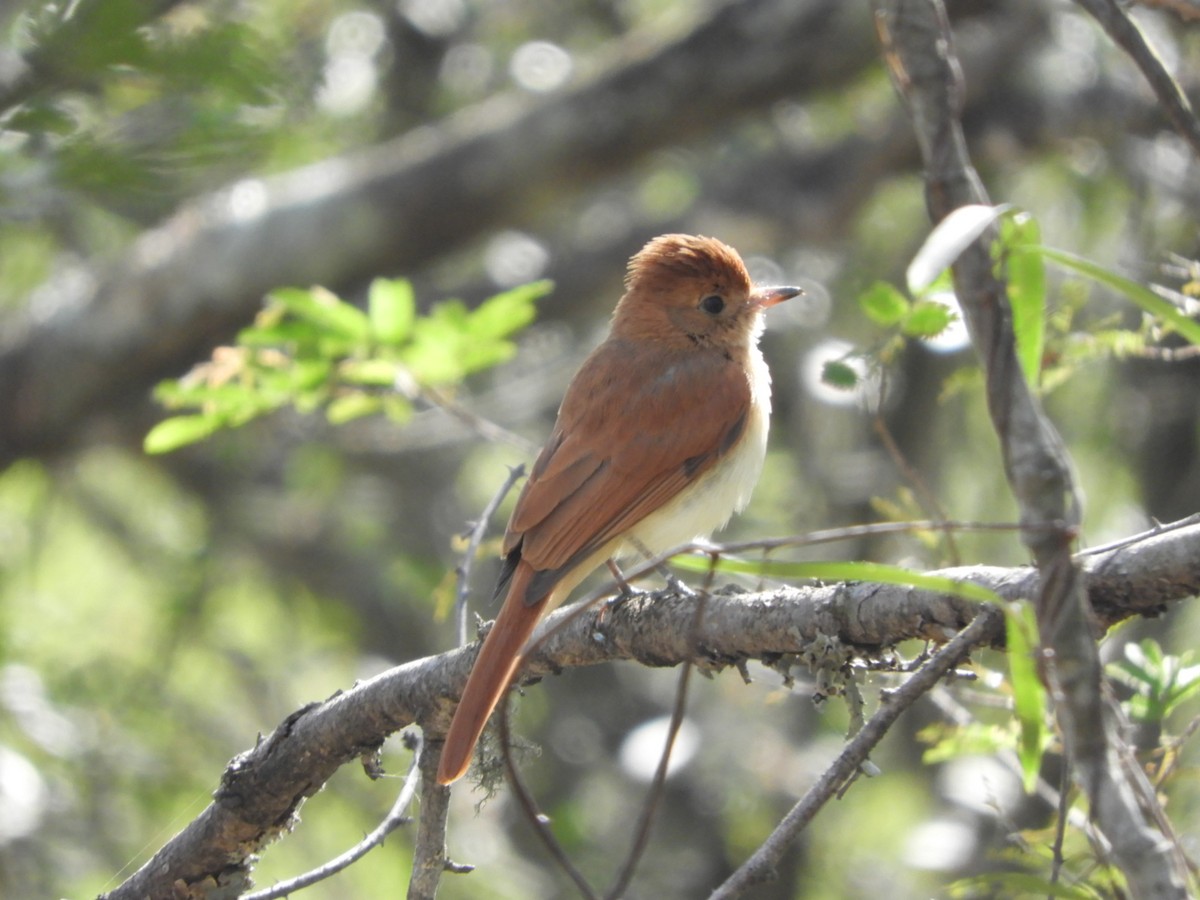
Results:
683 290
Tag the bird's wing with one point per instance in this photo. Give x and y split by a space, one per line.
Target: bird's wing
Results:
624 446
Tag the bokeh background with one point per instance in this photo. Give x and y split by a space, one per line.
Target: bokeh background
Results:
164 164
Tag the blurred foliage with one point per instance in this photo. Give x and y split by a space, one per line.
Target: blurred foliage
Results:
156 613
311 350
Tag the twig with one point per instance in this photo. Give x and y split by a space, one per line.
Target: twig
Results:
482 426
1188 10
760 866
931 502
851 532
1125 32
537 819
463 570
541 822
394 819
1141 536
641 835
1060 826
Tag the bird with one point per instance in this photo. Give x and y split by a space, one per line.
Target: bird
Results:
660 438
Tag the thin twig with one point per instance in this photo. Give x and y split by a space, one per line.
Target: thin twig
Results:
484 427
762 863
1060 826
537 819
1158 529
928 498
851 532
1188 10
1007 757
462 571
1125 32
641 835
1168 354
394 819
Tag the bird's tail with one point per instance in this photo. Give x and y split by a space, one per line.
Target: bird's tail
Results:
491 675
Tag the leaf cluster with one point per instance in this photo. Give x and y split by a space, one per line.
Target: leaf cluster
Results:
311 350
128 106
1052 344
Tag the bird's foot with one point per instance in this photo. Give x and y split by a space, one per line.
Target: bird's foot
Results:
678 586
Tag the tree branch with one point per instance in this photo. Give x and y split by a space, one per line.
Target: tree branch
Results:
397 816
761 865
1129 37
263 788
919 49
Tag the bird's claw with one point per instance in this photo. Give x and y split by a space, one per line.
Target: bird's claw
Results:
678 586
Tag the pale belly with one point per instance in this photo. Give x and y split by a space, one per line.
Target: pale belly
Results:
708 503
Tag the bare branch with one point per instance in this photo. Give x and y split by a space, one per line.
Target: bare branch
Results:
397 816
478 529
429 854
1188 10
537 820
263 788
1125 32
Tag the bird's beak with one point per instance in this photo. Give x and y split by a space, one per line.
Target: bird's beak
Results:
763 297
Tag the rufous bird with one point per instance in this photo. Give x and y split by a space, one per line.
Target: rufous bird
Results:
659 439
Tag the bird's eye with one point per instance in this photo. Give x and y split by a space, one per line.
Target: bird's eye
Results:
712 304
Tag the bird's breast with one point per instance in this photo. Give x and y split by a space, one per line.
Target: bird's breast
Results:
707 503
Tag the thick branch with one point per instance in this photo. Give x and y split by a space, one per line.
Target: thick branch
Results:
263 788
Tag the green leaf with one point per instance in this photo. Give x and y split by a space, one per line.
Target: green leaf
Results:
954 234
879 573
326 310
1186 684
884 304
507 312
351 406
179 431
927 319
1138 293
373 372
1019 884
310 374
1029 698
289 331
839 375
946 741
1025 275
176 395
479 355
1137 670
397 408
391 308
1160 681
439 339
